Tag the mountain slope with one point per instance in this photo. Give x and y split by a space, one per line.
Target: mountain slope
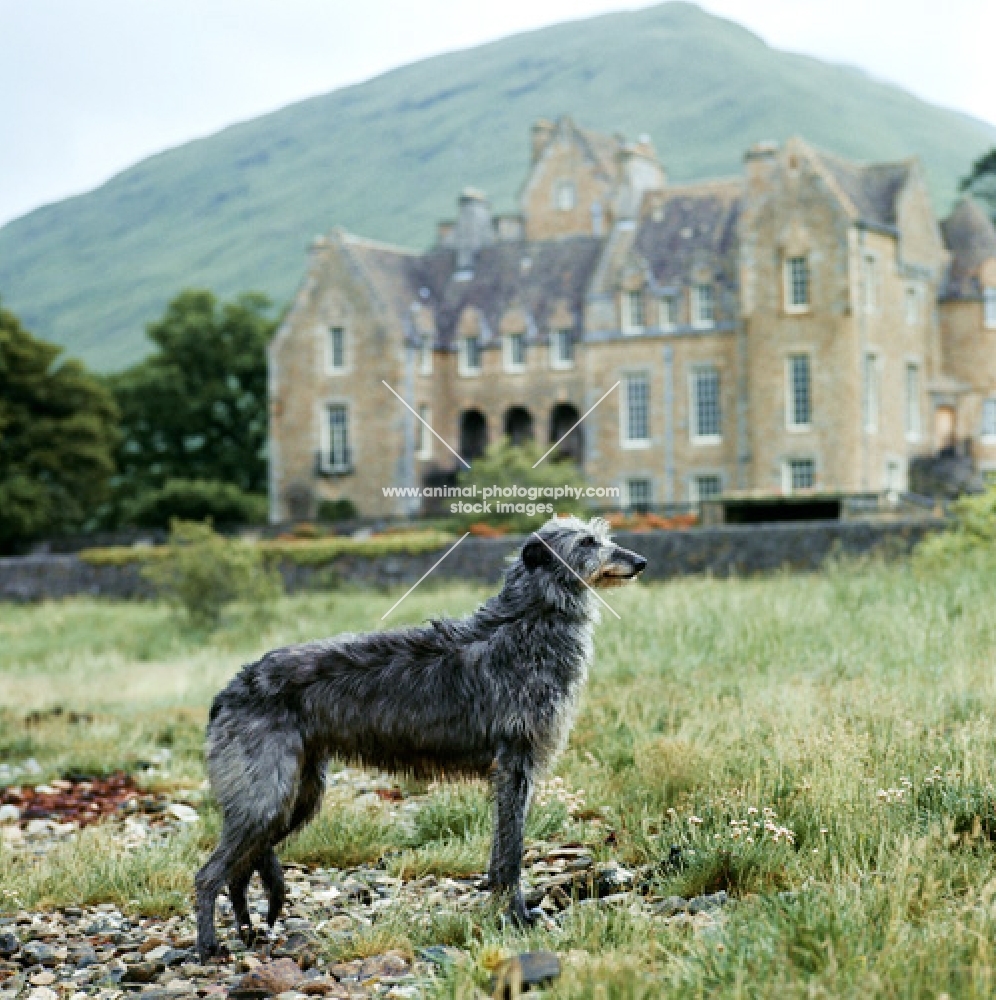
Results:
386 158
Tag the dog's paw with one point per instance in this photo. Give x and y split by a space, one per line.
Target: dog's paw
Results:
213 953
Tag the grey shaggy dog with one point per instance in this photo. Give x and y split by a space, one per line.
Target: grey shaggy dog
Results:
492 694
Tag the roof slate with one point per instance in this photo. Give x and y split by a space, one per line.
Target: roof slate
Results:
873 189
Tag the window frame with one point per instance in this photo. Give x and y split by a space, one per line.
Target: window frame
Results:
643 481
788 474
788 285
989 307
665 304
336 468
423 437
694 484
694 425
870 282
697 290
913 428
562 186
625 441
791 424
988 404
556 360
463 367
871 392
330 367
913 295
425 351
512 366
629 296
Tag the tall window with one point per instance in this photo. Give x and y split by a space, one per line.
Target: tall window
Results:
562 349
704 405
893 475
989 419
337 454
425 354
335 350
636 409
566 196
796 284
870 393
705 487
423 438
703 306
515 352
799 397
989 307
633 313
869 282
470 356
912 400
798 474
638 494
669 312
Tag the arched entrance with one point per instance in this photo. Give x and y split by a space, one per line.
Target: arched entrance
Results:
945 426
473 434
563 417
518 425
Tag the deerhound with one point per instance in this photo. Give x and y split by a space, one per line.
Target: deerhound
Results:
489 695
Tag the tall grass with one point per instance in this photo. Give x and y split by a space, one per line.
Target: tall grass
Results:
848 714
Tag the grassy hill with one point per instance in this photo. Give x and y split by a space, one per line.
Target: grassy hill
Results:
386 158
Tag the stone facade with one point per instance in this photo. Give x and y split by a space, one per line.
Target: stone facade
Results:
807 325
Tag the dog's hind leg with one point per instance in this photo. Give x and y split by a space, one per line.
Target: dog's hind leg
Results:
513 789
237 889
231 863
311 789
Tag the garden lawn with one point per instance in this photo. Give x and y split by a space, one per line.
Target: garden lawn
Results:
822 747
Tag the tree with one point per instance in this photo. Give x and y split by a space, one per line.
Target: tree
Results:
57 438
981 180
196 409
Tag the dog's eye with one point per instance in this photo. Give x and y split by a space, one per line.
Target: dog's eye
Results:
589 542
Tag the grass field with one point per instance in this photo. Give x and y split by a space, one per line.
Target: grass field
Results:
855 706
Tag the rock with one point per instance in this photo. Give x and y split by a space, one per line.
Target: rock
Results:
9 814
38 953
301 947
390 965
612 878
271 978
531 968
345 971
441 955
185 814
318 987
9 944
43 993
140 972
703 904
670 906
45 978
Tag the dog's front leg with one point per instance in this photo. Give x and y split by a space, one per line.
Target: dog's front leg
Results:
513 788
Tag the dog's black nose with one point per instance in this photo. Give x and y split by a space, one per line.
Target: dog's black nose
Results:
640 563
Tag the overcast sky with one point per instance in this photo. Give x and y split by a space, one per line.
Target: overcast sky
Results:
87 87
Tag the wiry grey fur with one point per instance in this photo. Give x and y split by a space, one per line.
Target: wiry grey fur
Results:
490 694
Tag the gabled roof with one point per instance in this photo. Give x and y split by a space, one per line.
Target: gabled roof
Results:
970 236
869 191
699 227
531 276
385 269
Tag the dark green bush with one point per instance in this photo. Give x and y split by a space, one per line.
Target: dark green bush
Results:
198 500
337 510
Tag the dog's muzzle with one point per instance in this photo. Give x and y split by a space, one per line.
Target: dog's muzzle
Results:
621 567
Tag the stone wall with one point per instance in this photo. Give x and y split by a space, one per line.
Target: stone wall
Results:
722 551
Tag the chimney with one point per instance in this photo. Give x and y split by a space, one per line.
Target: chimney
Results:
759 164
542 132
473 227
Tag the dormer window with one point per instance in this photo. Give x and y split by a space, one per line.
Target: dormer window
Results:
562 349
515 352
470 356
669 312
565 196
633 316
335 351
703 307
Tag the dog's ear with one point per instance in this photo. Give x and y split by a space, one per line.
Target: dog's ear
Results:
535 554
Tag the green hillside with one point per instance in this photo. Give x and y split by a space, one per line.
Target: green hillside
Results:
386 158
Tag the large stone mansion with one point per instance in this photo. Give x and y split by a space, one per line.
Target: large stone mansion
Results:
808 325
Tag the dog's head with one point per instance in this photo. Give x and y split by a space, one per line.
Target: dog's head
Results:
571 550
